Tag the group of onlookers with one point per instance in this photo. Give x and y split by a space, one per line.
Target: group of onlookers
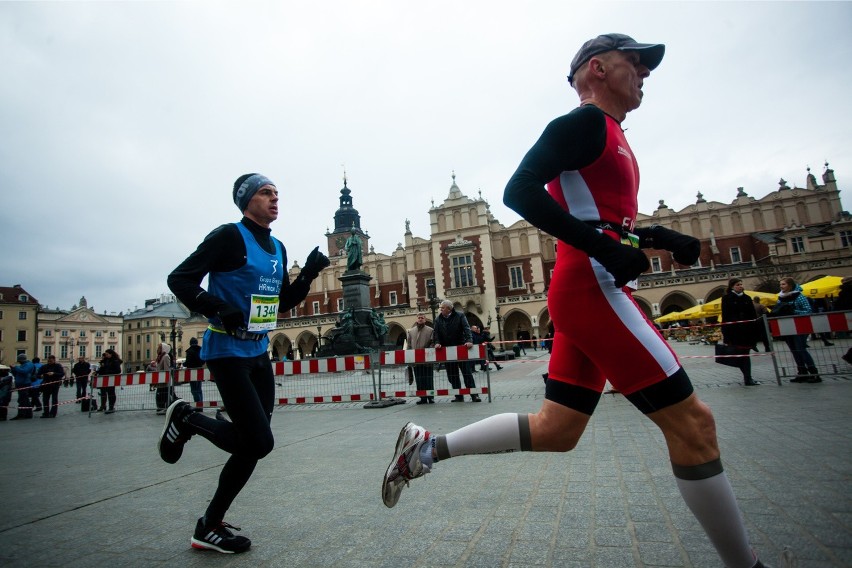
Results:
742 330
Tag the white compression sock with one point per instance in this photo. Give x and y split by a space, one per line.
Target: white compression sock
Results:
508 432
712 502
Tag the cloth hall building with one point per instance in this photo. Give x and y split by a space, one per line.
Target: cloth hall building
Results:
499 276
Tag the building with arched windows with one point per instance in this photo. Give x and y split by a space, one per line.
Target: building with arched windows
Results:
499 275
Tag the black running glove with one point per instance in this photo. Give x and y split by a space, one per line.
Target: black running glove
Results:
314 264
684 249
232 319
624 262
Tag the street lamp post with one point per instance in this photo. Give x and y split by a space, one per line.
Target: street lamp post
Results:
69 347
499 326
433 299
176 334
319 338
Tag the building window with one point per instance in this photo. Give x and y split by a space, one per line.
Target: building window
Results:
294 312
48 351
736 257
516 276
112 334
656 265
1 314
147 338
315 307
63 351
147 354
22 335
22 315
392 298
82 352
462 271
138 339
48 333
130 341
797 244
24 298
99 351
340 304
99 334
63 333
83 333
845 241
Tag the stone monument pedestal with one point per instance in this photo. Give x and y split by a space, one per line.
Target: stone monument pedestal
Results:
356 331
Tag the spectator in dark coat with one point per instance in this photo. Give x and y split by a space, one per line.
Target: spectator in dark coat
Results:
51 374
843 303
194 361
80 373
451 328
741 336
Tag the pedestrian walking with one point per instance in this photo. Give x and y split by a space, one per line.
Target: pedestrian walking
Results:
740 334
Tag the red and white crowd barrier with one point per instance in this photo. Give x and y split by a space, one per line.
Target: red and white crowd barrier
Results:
311 381
812 323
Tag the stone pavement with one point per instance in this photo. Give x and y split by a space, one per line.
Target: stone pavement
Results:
79 491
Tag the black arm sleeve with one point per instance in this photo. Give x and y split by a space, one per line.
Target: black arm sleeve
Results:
292 294
568 143
222 250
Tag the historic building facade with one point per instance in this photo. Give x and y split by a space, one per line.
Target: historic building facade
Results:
499 275
18 324
78 332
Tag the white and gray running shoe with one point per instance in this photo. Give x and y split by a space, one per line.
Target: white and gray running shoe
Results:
406 464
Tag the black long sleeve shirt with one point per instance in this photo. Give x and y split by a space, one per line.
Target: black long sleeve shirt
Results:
224 250
569 143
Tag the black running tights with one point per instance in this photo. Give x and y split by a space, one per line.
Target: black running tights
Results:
247 388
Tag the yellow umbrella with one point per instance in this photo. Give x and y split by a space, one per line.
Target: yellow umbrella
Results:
689 313
822 287
714 308
672 316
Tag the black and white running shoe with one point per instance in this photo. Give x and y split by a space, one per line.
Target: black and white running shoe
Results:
219 538
175 432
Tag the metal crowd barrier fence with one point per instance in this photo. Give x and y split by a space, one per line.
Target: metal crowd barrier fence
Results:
829 342
827 350
369 378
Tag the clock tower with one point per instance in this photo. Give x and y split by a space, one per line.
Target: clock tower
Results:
346 218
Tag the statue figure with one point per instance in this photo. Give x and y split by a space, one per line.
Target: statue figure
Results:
380 328
353 251
347 322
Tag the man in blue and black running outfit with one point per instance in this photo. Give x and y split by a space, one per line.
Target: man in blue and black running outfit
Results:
247 287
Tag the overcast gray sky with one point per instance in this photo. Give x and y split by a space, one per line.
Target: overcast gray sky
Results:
124 125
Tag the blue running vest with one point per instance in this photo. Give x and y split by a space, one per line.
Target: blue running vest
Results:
260 278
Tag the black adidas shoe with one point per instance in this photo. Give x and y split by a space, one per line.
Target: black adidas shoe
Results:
175 434
219 538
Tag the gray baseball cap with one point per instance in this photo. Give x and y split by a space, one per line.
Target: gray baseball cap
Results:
650 54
